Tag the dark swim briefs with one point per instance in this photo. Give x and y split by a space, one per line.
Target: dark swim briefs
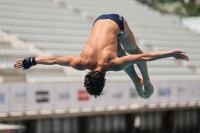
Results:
114 17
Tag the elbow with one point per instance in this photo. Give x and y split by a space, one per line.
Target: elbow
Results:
145 57
53 60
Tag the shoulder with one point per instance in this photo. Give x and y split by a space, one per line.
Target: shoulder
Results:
116 64
121 63
76 63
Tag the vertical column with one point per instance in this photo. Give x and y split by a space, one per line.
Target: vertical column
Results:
31 126
168 121
84 124
129 119
198 121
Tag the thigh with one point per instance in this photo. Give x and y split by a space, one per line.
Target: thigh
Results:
120 50
127 39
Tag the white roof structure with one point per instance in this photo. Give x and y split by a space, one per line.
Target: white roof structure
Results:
193 23
6 127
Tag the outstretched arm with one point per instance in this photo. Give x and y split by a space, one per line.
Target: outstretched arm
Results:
50 60
60 60
125 61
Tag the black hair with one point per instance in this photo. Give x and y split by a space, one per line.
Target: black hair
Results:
94 83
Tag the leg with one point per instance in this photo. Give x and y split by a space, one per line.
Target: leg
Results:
131 72
130 46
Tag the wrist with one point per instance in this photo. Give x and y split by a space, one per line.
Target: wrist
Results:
36 60
171 53
28 62
32 61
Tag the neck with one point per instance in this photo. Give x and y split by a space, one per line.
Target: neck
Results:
102 71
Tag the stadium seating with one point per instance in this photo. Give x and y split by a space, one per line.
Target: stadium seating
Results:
63 30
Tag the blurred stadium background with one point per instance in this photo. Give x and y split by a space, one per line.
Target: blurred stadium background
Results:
52 99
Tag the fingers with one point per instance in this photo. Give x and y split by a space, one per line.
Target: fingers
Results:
184 56
181 55
18 64
181 51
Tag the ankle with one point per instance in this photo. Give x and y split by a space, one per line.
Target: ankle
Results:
139 80
147 81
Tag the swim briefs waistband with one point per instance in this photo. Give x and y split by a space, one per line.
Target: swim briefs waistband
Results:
115 17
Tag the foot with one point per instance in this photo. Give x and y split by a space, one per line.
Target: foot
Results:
139 88
148 88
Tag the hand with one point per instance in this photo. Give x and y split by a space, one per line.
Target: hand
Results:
18 64
25 63
179 54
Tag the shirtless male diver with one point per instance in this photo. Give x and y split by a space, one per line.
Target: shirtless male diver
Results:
103 52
